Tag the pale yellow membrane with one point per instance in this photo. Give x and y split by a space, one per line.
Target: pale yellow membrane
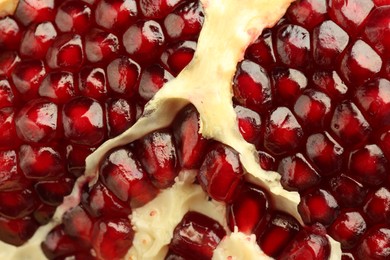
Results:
8 7
230 26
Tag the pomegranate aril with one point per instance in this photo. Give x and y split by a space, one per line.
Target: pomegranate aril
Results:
17 231
348 228
77 223
221 173
297 173
124 176
116 14
375 244
17 204
11 177
67 52
155 9
27 77
10 33
368 165
330 83
52 192
325 153
283 133
308 13
261 51
196 236
121 115
267 161
112 238
100 46
278 233
252 87
44 213
93 82
123 74
249 210
37 40
249 124
58 86
8 60
73 16
318 205
288 84
83 121
329 40
176 57
347 191
377 30
41 162
8 129
35 11
75 158
377 206
384 142
381 2
152 80
172 256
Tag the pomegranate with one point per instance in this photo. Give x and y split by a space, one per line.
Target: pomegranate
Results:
299 164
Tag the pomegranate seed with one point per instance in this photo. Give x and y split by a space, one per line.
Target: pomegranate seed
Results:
282 132
10 33
261 51
112 238
7 128
58 86
124 176
377 207
41 162
267 161
251 86
100 46
288 84
8 60
308 13
75 158
331 83
35 11
385 143
278 233
381 2
17 231
221 173
196 236
249 210
348 192
83 121
37 40
144 40
27 76
158 8
73 16
11 178
116 14
152 80
377 30
17 204
67 52
375 244
348 228
78 223
121 115
249 124
172 256
318 206
176 57
44 213
297 173
123 74
53 192
93 82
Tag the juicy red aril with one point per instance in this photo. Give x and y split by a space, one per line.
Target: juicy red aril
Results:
34 11
7 128
249 124
348 191
261 51
27 76
152 80
17 231
196 236
10 33
75 157
93 82
121 115
100 46
176 57
8 60
287 84
308 13
116 14
59 87
123 74
11 177
157 8
377 30
375 244
249 210
52 192
73 16
66 52
17 204
377 206
267 161
221 173
37 39
44 213
78 223
330 83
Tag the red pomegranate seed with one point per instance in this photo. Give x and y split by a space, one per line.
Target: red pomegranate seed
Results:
17 204
308 13
385 142
83 121
172 256
67 52
185 22
8 60
251 86
297 173
41 162
99 201
37 40
377 30
348 228
313 109
158 8
330 83
17 231
27 76
288 84
329 40
359 63
44 213
8 129
190 143
52 192
121 115
78 224
75 158
11 178
112 238
377 206
116 14
293 45
144 40
152 80
318 206
249 124
10 33
375 244
325 153
381 2
196 236
249 210
368 165
124 176
261 51
100 46
93 83
58 86
123 74
278 233
73 16
157 154
347 191
176 57
349 125
283 133
35 11
267 161
221 173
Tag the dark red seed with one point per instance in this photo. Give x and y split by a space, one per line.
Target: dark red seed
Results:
11 178
267 161
288 84
92 82
37 40
67 52
17 204
100 46
347 191
261 51
375 244
8 60
116 14
27 77
73 16
377 30
75 158
330 83
177 56
78 224
17 231
58 86
52 192
121 115
152 80
8 129
44 213
157 8
249 124
308 13
10 33
377 207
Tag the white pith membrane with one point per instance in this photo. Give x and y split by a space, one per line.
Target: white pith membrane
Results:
230 26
